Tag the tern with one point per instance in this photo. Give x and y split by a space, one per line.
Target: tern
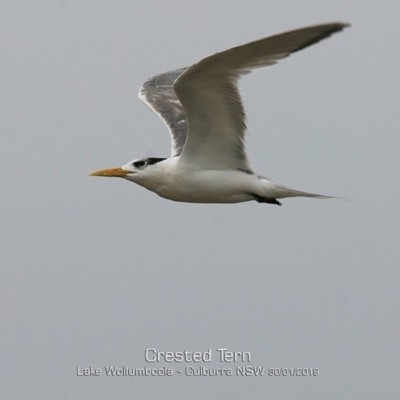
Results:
203 110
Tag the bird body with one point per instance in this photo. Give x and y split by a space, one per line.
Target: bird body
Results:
183 183
176 180
202 107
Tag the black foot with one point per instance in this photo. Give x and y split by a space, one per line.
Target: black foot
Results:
268 200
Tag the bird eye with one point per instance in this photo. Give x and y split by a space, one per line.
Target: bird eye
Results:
139 164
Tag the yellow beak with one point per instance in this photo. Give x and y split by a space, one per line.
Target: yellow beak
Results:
111 172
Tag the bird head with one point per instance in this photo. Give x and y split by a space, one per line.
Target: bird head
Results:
130 170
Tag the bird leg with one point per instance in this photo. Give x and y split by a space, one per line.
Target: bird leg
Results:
269 200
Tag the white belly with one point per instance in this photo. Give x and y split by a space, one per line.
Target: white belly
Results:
204 186
209 187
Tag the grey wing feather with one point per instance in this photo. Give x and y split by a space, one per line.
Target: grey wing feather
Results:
158 93
209 93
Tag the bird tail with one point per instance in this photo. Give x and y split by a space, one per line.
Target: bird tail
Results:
276 190
285 191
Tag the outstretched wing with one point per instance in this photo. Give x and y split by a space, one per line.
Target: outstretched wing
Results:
210 97
158 93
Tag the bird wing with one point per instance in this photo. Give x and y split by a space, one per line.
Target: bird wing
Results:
209 94
158 94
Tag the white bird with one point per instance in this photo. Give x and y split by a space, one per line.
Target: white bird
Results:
202 107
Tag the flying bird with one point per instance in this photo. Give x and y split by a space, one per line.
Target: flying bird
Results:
203 110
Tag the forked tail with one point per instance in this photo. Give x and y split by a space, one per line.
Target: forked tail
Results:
284 191
276 190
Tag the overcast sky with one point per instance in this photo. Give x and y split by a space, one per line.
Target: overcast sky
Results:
95 271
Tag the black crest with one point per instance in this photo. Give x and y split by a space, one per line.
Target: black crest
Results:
145 162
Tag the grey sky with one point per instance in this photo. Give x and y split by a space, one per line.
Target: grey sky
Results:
94 271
